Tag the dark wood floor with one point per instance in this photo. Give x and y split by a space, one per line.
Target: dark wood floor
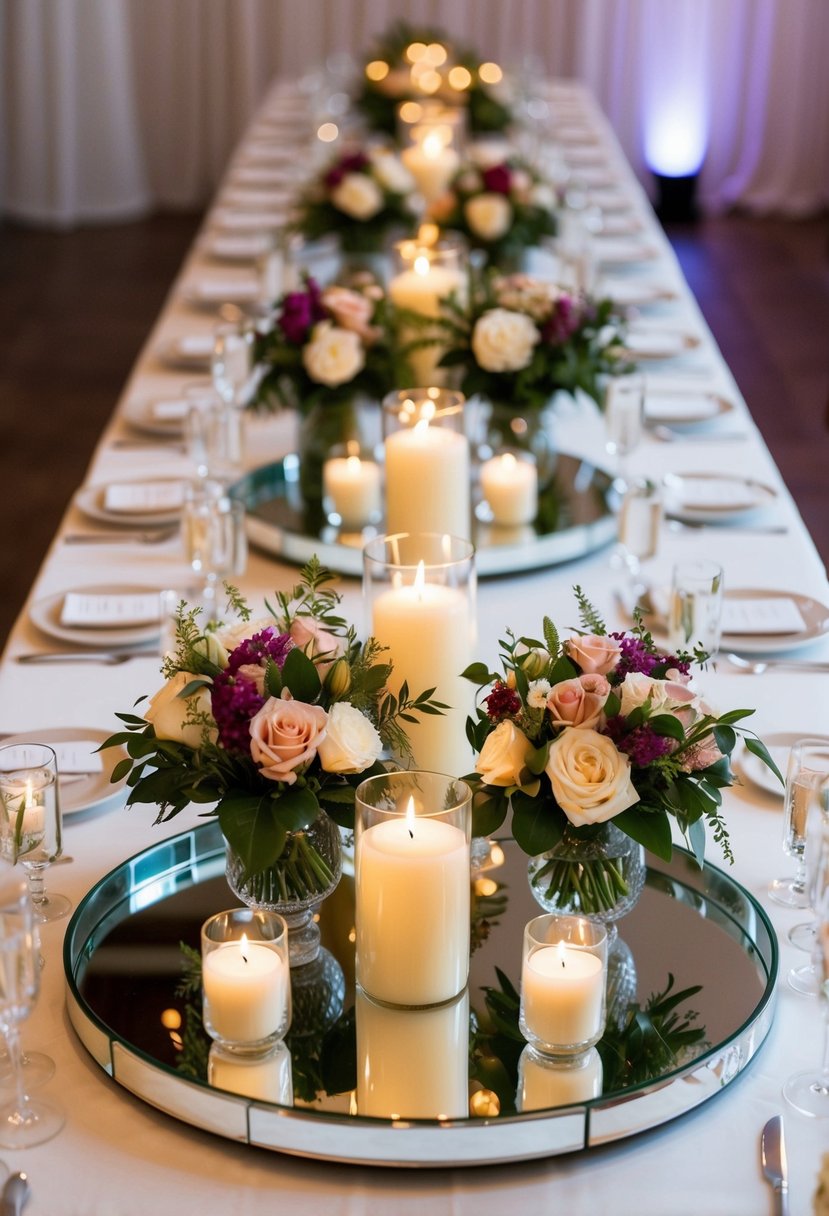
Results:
76 307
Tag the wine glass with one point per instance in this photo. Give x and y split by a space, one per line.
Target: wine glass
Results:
232 365
23 1122
807 768
213 529
624 418
808 1092
807 979
640 516
31 822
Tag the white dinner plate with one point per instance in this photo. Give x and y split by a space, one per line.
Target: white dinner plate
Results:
78 792
621 223
92 501
815 618
280 178
655 344
237 246
190 352
637 293
213 292
246 198
233 220
779 745
683 407
45 614
714 497
623 251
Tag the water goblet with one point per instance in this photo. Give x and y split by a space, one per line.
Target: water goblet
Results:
31 825
23 1122
213 530
807 979
640 516
624 416
807 769
808 1092
232 365
214 433
695 611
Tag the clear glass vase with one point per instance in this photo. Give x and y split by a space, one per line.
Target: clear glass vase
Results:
307 871
596 871
329 427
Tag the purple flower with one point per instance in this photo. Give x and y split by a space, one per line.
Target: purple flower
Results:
642 744
356 162
637 656
300 311
267 644
234 701
563 323
502 702
498 179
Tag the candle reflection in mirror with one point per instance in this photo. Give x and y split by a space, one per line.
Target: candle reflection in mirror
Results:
545 1081
266 1077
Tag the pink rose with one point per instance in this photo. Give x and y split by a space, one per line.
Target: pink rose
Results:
578 702
284 736
701 755
350 310
316 642
593 653
255 674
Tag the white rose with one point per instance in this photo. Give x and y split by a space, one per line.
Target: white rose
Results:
666 696
488 215
504 755
352 743
503 341
541 195
358 196
233 635
537 694
334 355
391 173
590 779
168 712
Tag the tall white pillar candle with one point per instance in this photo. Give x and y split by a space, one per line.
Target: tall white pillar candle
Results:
432 164
510 486
353 487
429 276
428 481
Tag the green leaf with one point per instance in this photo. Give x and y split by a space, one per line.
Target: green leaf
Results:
759 749
273 679
537 760
563 669
651 828
249 826
696 838
488 812
725 737
668 726
479 674
536 824
300 676
296 808
192 687
121 769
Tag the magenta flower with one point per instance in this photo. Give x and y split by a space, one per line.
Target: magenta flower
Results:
502 702
301 310
642 744
356 162
563 322
498 179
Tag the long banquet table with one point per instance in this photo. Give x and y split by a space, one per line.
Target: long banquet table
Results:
119 1157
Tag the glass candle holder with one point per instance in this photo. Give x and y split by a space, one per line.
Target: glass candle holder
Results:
389 1039
695 611
427 462
419 590
246 979
547 1081
640 518
563 984
411 872
426 275
31 823
264 1077
431 138
352 487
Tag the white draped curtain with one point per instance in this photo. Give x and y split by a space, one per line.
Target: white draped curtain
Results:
111 107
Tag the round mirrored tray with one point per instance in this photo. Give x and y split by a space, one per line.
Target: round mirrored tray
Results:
576 516
691 984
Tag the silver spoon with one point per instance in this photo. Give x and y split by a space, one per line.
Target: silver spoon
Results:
16 1194
685 525
665 435
155 536
756 667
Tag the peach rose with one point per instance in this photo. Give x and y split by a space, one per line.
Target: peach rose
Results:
578 702
285 736
593 653
174 717
350 310
504 755
316 642
590 778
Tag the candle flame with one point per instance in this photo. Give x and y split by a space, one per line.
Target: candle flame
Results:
561 954
352 465
243 947
410 813
420 577
508 461
432 145
421 265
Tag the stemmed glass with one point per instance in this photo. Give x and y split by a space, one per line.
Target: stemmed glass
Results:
808 1092
624 418
640 517
213 528
31 826
23 1122
808 767
807 979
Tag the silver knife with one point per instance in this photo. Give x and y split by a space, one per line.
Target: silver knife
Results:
773 1148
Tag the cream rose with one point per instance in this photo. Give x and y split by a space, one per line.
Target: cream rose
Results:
334 355
578 702
317 642
590 779
541 195
488 215
284 736
504 755
594 653
169 712
350 310
391 173
503 341
351 742
358 196
665 696
233 635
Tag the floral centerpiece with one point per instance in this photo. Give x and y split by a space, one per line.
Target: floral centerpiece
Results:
271 724
361 197
503 209
410 63
522 339
599 729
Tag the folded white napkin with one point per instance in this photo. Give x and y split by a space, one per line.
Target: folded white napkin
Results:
761 615
143 496
89 610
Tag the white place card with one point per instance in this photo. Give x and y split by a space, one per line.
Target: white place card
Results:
260 200
77 757
259 175
144 497
681 407
713 492
656 342
249 221
762 615
89 610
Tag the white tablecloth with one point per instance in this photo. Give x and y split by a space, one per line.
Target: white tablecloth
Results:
120 1157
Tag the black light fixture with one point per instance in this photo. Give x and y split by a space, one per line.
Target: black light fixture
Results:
676 200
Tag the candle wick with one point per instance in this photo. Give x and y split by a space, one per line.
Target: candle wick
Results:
562 964
411 833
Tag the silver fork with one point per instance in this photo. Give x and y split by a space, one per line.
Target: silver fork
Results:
154 536
109 658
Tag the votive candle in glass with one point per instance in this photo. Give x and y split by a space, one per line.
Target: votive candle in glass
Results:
352 488
427 275
246 979
419 589
412 883
563 984
509 484
427 462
